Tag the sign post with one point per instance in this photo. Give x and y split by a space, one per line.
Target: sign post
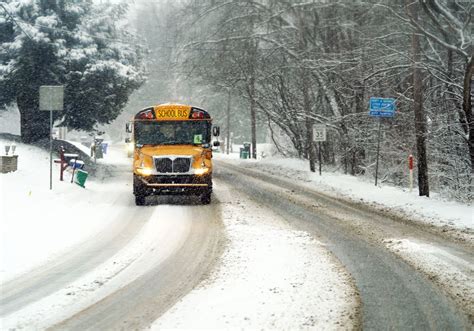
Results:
319 134
380 107
51 98
378 153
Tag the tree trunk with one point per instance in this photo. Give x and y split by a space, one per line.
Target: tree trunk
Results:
227 147
310 144
253 116
467 107
310 152
34 123
308 122
420 117
359 108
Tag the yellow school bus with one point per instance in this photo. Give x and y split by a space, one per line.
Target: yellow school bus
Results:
172 152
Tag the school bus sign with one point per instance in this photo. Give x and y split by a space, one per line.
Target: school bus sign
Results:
172 113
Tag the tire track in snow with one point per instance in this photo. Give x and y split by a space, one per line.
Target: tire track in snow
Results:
185 243
174 249
76 262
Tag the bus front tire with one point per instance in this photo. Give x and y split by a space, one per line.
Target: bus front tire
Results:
139 200
206 198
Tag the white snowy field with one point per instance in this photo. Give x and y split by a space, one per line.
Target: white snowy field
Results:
434 210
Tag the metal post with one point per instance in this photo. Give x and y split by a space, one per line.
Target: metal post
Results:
228 123
320 158
50 149
73 170
378 152
61 164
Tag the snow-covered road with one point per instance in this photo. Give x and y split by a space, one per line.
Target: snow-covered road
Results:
358 237
270 277
105 275
112 265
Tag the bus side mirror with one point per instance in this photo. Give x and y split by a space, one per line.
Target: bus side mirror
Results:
216 131
216 143
128 127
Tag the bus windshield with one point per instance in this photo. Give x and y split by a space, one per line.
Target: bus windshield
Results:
172 133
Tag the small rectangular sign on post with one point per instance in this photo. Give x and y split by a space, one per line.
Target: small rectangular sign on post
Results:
382 107
319 135
51 97
319 132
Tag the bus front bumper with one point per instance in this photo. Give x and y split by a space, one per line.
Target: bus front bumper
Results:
172 184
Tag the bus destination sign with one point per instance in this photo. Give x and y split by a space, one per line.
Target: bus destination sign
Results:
172 113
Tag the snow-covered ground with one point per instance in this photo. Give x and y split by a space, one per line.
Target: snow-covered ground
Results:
452 273
38 223
434 210
271 277
267 270
154 243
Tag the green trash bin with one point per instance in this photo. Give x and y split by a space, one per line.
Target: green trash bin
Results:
81 177
244 154
246 151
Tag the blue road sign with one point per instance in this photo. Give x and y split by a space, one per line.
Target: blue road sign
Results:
382 107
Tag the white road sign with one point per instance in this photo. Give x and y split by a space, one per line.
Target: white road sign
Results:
51 97
319 132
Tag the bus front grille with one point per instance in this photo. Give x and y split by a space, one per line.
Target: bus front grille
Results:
181 164
163 165
168 165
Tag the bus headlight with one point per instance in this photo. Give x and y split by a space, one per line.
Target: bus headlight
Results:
201 171
145 171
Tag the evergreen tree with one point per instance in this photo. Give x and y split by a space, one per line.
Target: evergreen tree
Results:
77 44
